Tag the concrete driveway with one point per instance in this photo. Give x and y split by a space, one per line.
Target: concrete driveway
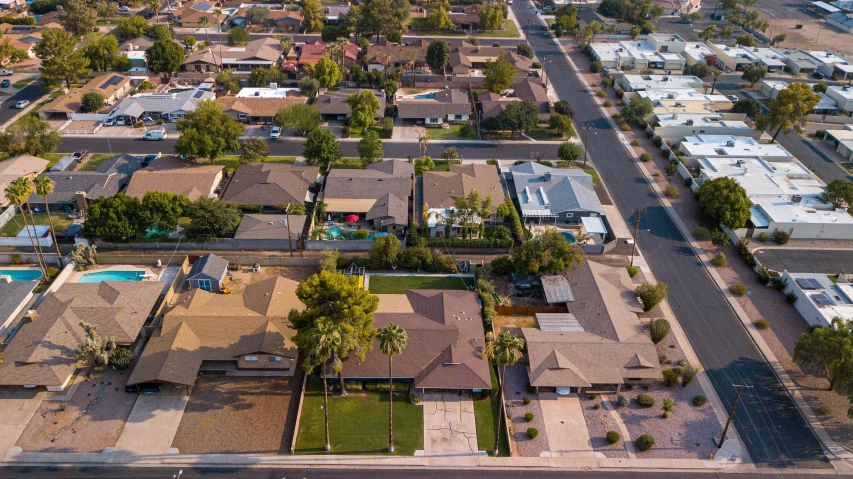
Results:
17 406
568 435
152 424
449 426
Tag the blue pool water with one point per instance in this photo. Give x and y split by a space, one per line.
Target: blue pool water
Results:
337 233
112 276
425 96
570 238
21 274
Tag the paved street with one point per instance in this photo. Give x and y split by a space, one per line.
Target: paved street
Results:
768 421
301 38
30 92
806 261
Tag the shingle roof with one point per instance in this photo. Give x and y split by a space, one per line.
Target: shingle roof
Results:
566 190
107 85
441 187
335 102
179 177
209 265
105 181
18 166
263 107
384 54
390 210
269 227
12 294
445 102
185 101
270 184
375 183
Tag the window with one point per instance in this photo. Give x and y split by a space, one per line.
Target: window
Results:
275 359
250 359
570 215
242 116
204 284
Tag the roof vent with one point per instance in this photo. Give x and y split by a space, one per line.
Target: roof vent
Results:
730 143
548 176
796 199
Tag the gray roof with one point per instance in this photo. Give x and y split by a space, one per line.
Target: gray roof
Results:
557 289
335 102
161 103
390 210
446 102
269 227
105 181
565 190
209 265
12 294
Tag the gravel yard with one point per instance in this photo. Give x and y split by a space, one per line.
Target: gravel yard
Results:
91 422
599 422
240 415
515 392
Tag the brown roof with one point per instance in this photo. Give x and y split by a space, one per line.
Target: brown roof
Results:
207 326
467 54
465 14
175 175
265 49
312 51
259 107
384 54
42 352
445 341
493 103
16 167
445 102
270 184
265 227
374 183
441 187
335 102
107 85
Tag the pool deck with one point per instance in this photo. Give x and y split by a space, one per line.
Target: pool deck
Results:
154 274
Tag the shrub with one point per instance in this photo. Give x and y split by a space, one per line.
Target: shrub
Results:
646 157
688 374
670 378
15 259
414 399
382 386
633 271
160 121
532 432
702 234
600 94
613 437
645 442
652 294
360 234
791 298
592 395
762 324
657 142
528 417
138 124
719 238
608 103
738 289
120 358
823 410
597 406
536 65
645 400
699 400
527 400
623 400
781 237
671 191
354 386
636 142
546 163
51 272
617 116
659 329
595 67
719 261
625 127
763 237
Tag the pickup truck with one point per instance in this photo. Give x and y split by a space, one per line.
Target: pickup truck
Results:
6 73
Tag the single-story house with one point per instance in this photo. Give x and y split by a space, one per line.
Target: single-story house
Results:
76 189
444 105
14 296
465 17
470 60
208 273
17 167
559 195
288 20
217 333
271 184
819 298
177 176
42 351
259 109
192 13
333 104
842 21
441 188
261 53
274 230
169 106
445 347
112 86
390 56
492 103
311 52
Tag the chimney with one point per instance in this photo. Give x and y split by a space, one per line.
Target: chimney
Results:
80 201
273 86
548 176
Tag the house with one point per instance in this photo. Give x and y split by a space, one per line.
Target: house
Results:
673 128
819 298
465 17
74 190
14 296
12 5
441 188
190 14
17 167
683 97
842 140
735 58
800 62
311 52
698 52
260 108
679 7
831 64
842 95
631 83
112 86
434 108
169 106
390 56
213 333
28 47
599 347
492 104
470 60
334 12
333 103
208 273
42 351
177 176
714 146
379 194
445 346
661 51
561 195
261 53
273 230
288 20
271 185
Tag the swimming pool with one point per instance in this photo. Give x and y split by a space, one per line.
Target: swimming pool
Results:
21 274
425 96
337 233
112 276
570 238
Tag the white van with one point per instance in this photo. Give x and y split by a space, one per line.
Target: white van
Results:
275 133
155 135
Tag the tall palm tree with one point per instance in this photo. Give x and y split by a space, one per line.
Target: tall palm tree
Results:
217 12
44 188
505 351
324 340
18 193
27 183
392 342
716 74
204 22
155 5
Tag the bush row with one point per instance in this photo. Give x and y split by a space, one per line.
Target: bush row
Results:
470 243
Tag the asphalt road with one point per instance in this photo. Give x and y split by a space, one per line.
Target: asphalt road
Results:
806 261
301 38
768 421
30 92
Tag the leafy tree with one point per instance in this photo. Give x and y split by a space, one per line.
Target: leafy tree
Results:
79 19
131 27
208 132
524 50
547 253
726 201
745 40
749 106
789 110
60 62
262 77
637 109
450 154
828 350
424 163
364 106
302 118
254 149
499 74
330 260
392 342
708 33
213 217
635 32
438 54
313 16
161 32
31 136
652 294
390 88
190 41
378 18
753 74
566 17
569 151
840 193
562 124
116 218
257 15
165 56
698 69
519 116
94 351
438 19
345 303
386 252
162 209
505 350
91 102
327 72
103 53
370 147
778 39
238 36
469 210
320 341
309 87
491 17
321 148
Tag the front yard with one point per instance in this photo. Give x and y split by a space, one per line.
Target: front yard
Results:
509 30
358 423
486 412
452 133
399 284
94 161
231 162
15 225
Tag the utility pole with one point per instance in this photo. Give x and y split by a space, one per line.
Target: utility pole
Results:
289 238
732 412
638 212
585 143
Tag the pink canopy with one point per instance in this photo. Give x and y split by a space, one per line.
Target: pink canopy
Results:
352 218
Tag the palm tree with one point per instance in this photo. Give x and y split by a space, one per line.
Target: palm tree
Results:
505 351
204 22
155 5
324 339
18 193
668 405
716 74
44 188
392 342
217 12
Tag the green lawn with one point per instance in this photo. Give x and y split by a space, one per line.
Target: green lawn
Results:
358 423
231 162
593 174
451 133
349 164
356 132
52 158
486 411
95 160
16 224
509 31
399 284
23 83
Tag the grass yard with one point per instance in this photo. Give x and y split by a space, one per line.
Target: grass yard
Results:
358 423
231 162
486 411
94 161
399 284
52 158
349 164
16 224
593 174
451 133
509 31
23 83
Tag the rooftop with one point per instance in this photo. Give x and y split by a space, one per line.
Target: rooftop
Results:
269 92
544 191
269 184
659 82
830 299
440 188
729 145
700 120
683 95
177 176
270 227
842 91
632 49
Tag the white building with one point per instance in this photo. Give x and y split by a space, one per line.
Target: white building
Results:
842 140
695 52
721 146
273 91
819 300
658 82
685 96
674 128
658 51
843 96
831 63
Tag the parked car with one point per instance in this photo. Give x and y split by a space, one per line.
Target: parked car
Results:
819 75
80 155
733 98
564 391
121 122
22 104
155 135
686 21
110 121
275 133
70 235
5 83
124 8
6 73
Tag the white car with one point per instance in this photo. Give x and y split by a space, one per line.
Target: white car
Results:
275 133
121 122
124 8
564 391
6 73
110 121
22 104
733 98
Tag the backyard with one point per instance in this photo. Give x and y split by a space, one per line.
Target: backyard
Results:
358 423
15 225
231 162
399 284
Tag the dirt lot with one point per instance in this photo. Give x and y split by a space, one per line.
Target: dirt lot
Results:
785 16
240 415
91 422
245 275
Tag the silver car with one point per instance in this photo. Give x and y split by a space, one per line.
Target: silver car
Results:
22 104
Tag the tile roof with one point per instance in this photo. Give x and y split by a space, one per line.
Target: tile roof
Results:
312 51
442 187
335 102
259 107
445 102
177 176
209 265
270 184
269 227
565 190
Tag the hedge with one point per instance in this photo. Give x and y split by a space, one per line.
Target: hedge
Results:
470 243
350 385
382 386
514 222
645 400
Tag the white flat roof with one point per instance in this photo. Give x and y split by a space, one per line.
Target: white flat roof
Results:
826 103
682 94
729 145
700 119
831 58
769 56
831 299
657 82
826 6
697 51
614 51
265 92
842 91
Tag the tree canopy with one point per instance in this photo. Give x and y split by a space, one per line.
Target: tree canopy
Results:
515 117
491 17
60 61
546 253
365 106
747 105
302 118
238 36
165 56
829 350
115 218
321 148
839 192
208 132
131 27
254 150
213 217
31 136
499 74
637 109
327 72
91 102
79 18
313 16
104 54
698 69
438 54
566 17
726 201
753 73
370 147
569 151
789 109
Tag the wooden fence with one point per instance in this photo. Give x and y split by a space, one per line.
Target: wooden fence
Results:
529 310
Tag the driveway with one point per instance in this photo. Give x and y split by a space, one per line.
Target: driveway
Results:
17 406
152 424
568 435
806 261
449 426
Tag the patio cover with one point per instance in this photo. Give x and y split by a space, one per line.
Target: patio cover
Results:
594 225
346 205
826 6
